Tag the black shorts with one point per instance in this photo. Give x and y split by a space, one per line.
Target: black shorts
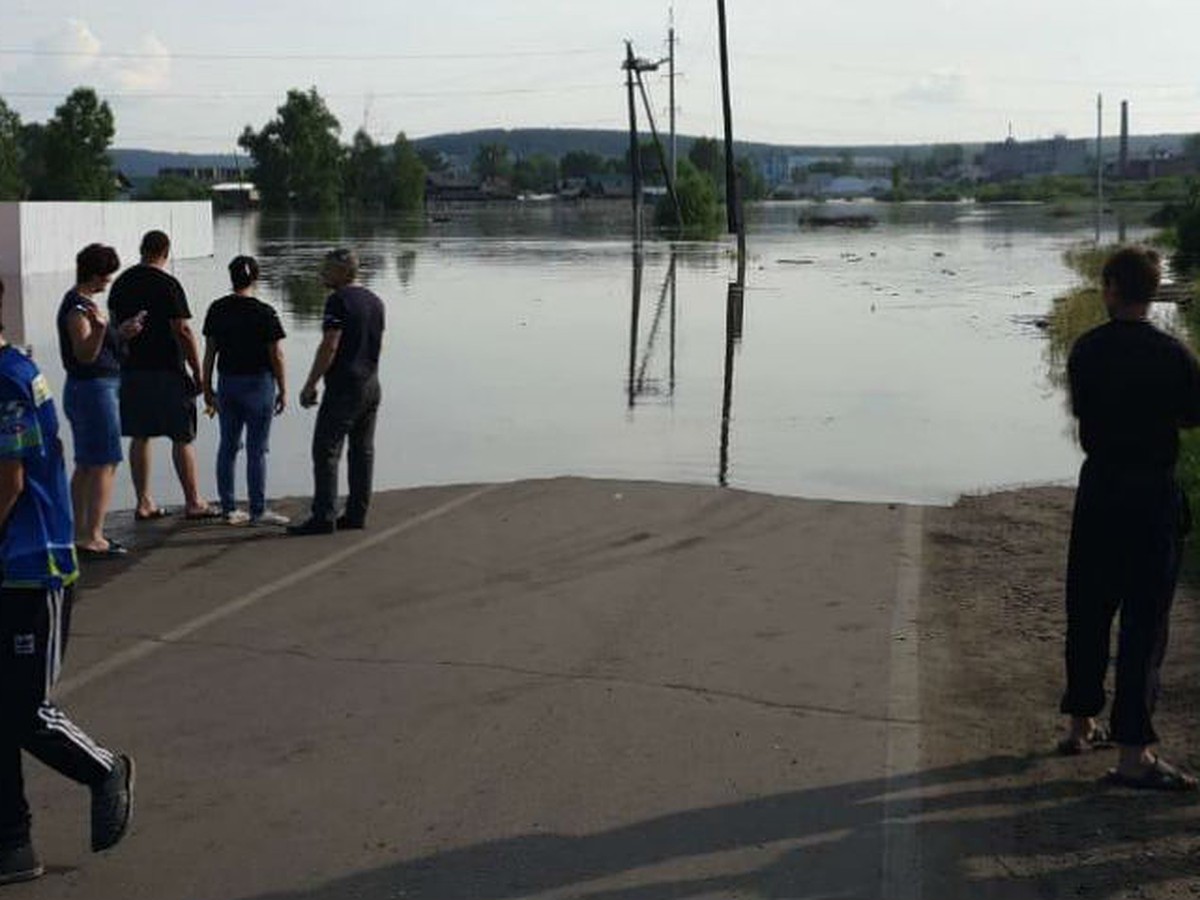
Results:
157 403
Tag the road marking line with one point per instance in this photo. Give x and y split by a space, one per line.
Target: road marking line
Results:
145 647
901 846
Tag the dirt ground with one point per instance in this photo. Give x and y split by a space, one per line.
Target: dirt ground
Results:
1022 822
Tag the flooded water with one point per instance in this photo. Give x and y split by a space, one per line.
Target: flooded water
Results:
895 363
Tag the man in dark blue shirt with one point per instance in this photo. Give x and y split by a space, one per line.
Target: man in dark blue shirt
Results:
1132 388
348 361
37 549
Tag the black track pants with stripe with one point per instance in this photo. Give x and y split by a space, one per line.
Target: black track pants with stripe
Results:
33 635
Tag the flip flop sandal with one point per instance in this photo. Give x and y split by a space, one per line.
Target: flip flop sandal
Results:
157 513
1099 739
115 550
208 512
1161 776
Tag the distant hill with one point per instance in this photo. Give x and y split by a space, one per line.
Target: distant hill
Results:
146 163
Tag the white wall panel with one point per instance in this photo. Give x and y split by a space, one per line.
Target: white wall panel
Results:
46 236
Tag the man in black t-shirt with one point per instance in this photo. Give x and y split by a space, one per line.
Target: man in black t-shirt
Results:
158 396
1132 388
348 361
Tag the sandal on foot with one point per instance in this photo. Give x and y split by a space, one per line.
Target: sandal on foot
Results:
114 550
157 513
1098 739
210 511
1160 776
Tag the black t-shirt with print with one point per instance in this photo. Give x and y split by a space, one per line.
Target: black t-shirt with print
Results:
242 329
150 289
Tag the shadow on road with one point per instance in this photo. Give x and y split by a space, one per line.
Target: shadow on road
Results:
983 831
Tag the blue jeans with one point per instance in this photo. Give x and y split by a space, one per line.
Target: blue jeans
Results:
245 401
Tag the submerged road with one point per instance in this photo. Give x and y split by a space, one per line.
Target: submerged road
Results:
565 688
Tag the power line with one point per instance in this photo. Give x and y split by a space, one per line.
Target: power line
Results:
298 57
221 95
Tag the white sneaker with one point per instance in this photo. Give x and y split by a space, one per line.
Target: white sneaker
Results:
270 518
236 517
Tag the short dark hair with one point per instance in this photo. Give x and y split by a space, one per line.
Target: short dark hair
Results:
243 272
95 260
155 245
344 260
1135 273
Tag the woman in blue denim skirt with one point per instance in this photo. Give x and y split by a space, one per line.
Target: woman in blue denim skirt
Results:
91 355
243 339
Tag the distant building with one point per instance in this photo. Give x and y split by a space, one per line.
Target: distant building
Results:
1020 159
204 174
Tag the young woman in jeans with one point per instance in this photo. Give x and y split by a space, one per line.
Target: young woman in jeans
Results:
91 355
243 339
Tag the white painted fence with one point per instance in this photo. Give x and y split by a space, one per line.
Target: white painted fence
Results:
44 237
41 239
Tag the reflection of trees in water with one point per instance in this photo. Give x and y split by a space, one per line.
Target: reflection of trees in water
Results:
303 296
406 266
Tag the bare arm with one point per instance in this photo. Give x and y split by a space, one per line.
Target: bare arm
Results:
86 333
12 483
275 355
191 348
210 359
321 363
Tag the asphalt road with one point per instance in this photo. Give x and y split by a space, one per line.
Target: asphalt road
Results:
559 688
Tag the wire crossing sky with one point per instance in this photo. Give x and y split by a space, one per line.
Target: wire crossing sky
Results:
855 72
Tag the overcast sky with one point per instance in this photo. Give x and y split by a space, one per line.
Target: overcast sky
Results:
804 72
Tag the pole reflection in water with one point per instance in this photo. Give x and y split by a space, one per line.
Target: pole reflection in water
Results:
734 309
637 383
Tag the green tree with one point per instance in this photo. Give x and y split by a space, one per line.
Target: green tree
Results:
492 162
652 172
297 155
708 156
408 176
581 164
750 179
433 160
12 179
366 181
73 149
698 205
175 187
537 174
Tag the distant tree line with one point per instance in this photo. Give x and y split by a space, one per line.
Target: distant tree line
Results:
300 162
64 158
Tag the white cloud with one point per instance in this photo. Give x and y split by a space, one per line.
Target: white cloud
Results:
72 50
942 87
149 71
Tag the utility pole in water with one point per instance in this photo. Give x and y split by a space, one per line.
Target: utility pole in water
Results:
671 59
635 156
733 202
1099 164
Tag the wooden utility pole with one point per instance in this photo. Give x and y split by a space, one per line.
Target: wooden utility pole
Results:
1099 164
662 158
671 70
733 204
635 155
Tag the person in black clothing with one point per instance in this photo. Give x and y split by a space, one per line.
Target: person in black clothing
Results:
243 337
348 361
158 396
91 352
1132 388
